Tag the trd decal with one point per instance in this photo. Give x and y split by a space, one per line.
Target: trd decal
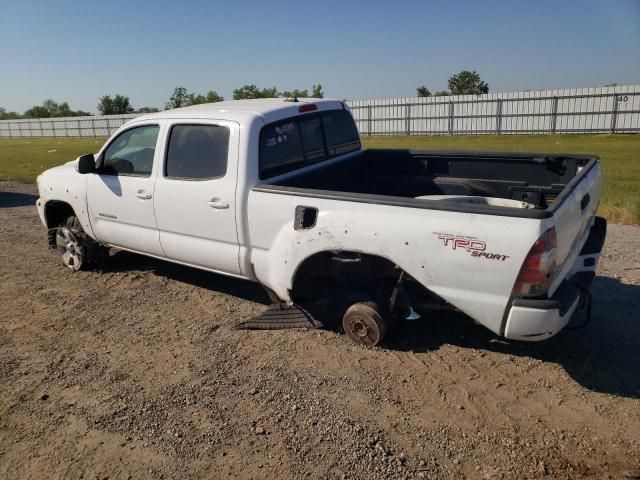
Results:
473 246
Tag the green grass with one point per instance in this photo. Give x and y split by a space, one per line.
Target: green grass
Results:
24 159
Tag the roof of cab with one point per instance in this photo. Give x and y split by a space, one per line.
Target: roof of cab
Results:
270 109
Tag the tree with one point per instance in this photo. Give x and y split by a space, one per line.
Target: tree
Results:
4 115
147 110
441 93
180 98
210 97
423 91
295 93
251 91
467 83
50 108
37 111
117 105
121 105
317 91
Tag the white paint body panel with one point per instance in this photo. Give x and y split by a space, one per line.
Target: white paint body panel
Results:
196 218
254 237
533 324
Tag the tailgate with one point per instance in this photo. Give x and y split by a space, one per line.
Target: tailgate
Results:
573 214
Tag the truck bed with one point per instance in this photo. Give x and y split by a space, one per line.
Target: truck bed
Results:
533 184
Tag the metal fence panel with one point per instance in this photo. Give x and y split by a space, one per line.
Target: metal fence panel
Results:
583 110
578 110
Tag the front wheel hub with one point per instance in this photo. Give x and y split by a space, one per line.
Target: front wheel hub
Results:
69 248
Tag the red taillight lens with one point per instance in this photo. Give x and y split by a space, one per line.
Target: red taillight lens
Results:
307 107
538 269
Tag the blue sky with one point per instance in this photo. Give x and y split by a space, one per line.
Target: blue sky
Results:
76 51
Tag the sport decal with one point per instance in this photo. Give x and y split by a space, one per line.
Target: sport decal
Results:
471 245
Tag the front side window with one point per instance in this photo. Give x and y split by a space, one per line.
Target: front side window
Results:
197 152
131 152
297 142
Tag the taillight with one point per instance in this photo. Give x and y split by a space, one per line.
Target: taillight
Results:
307 107
538 268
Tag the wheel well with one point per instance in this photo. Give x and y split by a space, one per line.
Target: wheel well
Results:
323 273
56 212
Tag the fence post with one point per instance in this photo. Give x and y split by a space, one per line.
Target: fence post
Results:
369 119
450 117
554 114
499 117
40 127
407 108
79 129
93 127
614 114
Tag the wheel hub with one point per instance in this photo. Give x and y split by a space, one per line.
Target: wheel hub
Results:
69 247
364 325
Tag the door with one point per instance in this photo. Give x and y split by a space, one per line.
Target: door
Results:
195 197
120 193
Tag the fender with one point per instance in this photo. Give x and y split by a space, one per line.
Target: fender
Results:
64 184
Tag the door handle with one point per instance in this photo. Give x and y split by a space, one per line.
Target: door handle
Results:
218 204
143 196
585 201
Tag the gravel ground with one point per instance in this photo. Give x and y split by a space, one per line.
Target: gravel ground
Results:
138 372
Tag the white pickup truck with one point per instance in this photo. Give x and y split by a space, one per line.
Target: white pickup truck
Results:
280 192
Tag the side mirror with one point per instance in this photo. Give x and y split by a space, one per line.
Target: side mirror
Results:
86 163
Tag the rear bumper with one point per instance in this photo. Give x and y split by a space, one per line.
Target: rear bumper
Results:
541 318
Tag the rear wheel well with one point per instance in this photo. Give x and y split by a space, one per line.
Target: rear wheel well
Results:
324 273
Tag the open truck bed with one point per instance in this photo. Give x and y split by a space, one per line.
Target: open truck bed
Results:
537 183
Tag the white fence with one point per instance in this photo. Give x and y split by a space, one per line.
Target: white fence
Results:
583 110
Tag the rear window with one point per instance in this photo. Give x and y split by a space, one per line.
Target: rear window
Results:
293 143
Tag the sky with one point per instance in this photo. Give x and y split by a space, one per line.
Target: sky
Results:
77 51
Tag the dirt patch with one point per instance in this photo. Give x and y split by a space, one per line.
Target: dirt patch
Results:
139 372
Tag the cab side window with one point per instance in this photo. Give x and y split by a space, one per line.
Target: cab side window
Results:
131 152
197 152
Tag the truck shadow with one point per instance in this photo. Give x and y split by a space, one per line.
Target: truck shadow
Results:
16 199
604 356
122 261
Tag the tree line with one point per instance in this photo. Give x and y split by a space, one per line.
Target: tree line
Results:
463 83
121 104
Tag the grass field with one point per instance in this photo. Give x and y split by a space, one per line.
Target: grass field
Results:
24 159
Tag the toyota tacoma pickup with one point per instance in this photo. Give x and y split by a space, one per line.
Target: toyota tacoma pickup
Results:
281 192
